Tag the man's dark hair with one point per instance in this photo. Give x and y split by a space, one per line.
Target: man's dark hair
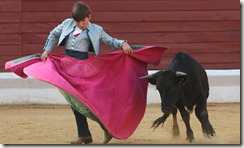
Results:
80 11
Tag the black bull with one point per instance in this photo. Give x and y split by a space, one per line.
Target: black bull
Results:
183 86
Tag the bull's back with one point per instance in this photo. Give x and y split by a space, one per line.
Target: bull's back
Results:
197 77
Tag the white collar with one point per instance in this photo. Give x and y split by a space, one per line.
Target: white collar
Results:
77 30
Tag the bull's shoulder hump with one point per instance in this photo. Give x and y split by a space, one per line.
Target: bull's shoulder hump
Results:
182 55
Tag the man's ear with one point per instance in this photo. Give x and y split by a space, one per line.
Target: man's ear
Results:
89 16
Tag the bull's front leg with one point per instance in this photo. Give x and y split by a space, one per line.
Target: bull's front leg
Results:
159 121
186 118
175 130
202 115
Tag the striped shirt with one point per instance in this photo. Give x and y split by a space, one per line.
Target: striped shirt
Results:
79 43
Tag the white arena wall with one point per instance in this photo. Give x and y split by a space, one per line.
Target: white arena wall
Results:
224 88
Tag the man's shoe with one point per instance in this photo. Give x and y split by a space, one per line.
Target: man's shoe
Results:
107 138
80 140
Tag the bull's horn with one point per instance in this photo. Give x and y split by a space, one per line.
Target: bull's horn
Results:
146 77
179 73
151 75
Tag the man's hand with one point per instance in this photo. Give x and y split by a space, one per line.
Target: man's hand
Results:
127 49
44 55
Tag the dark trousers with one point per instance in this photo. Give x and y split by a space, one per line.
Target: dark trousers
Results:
81 120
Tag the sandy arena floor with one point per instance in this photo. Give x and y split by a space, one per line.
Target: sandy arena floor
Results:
55 124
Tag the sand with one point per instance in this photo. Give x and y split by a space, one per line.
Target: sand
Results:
55 124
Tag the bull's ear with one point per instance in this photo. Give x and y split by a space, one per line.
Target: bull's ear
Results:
151 78
181 78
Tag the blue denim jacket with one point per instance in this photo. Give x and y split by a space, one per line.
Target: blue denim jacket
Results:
95 33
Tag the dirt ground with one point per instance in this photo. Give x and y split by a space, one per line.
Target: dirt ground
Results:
55 124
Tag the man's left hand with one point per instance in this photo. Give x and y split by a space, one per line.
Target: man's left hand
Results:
127 49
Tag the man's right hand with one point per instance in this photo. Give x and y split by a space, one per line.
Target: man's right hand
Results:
44 55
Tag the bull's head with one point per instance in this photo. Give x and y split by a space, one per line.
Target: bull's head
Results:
170 86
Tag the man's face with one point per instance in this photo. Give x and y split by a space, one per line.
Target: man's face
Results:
83 23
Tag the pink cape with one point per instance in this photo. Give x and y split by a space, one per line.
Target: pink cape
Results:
108 85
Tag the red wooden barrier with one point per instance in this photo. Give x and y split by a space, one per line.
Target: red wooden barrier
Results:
208 30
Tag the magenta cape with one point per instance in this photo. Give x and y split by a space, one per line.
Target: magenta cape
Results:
108 85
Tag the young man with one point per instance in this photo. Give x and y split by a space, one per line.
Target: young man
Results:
78 35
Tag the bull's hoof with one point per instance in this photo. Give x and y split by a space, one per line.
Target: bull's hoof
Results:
157 122
190 137
208 132
209 136
191 140
175 131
